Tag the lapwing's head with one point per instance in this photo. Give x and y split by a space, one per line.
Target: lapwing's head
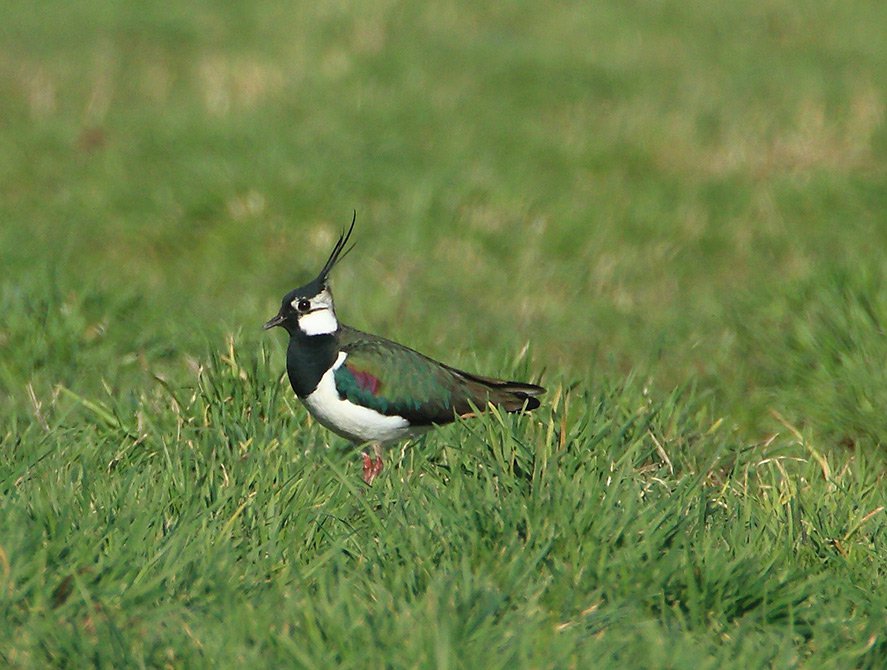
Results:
309 309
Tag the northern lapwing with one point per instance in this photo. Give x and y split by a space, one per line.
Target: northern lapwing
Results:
371 390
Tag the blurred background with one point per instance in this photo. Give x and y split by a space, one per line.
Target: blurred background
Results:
693 192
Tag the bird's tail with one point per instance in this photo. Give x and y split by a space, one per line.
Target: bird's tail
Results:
519 396
510 396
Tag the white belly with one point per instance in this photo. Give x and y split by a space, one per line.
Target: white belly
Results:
358 424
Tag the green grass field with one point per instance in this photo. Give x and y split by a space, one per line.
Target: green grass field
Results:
674 212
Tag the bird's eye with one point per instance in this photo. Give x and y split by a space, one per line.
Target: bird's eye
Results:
304 305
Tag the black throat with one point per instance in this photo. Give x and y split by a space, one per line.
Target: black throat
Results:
308 357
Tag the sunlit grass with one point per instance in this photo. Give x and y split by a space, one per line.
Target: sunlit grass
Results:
674 213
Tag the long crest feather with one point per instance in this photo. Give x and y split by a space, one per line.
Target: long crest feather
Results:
339 251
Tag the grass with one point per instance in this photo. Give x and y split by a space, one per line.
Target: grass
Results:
680 207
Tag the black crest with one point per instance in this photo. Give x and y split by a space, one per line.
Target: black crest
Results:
338 253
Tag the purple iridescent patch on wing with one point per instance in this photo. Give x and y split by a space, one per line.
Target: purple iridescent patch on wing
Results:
365 380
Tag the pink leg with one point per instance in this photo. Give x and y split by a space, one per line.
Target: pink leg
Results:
372 467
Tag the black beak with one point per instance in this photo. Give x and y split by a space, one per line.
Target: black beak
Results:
274 321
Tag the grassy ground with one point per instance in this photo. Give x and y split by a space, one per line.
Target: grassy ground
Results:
679 206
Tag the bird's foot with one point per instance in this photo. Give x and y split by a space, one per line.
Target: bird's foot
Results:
371 467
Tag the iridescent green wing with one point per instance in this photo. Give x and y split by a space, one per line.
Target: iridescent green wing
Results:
397 380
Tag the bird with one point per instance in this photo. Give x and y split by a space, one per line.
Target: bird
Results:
372 390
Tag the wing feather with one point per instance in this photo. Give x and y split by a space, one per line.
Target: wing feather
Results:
396 380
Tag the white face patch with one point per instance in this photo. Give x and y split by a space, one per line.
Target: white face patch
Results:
320 319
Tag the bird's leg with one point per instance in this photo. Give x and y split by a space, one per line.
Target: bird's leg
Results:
372 466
